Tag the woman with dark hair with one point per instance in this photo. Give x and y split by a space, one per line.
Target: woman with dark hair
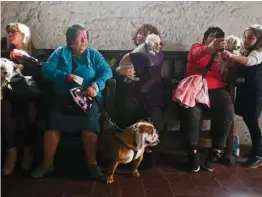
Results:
144 99
22 107
63 67
248 103
221 109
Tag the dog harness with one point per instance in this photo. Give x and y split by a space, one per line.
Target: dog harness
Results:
134 150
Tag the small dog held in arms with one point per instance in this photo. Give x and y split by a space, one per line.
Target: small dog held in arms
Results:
232 44
127 146
151 45
8 70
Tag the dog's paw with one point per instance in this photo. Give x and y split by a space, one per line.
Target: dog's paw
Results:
136 174
110 179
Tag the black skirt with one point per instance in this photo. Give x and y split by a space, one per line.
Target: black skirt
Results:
75 123
248 101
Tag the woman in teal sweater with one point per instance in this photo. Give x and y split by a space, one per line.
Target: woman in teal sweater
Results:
62 67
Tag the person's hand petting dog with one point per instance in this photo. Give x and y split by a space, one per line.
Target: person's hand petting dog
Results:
216 44
227 55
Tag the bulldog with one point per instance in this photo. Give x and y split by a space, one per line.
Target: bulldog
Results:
128 146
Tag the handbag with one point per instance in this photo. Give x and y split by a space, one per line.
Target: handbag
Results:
75 103
69 106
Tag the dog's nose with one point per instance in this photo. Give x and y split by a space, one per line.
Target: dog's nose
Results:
238 47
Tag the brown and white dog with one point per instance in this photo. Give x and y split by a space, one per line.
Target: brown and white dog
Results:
128 146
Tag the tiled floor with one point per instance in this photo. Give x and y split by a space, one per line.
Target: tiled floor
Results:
166 179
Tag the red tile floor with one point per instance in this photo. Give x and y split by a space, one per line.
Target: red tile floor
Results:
166 179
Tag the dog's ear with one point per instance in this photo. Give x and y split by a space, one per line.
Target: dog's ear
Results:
139 140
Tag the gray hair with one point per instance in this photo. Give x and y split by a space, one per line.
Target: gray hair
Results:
71 33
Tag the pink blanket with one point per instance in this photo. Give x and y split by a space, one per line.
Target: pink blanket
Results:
192 90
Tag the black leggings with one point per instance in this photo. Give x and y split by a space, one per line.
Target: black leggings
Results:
222 114
255 133
25 114
7 127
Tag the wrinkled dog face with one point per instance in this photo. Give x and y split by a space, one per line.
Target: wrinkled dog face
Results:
232 43
147 134
7 69
153 41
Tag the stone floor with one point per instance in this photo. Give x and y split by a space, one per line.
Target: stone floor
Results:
167 179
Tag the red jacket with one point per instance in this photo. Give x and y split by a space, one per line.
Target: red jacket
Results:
198 58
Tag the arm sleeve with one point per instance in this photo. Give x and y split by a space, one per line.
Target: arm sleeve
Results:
104 71
254 58
197 51
49 69
31 66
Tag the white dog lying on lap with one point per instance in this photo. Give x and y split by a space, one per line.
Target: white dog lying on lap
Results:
151 45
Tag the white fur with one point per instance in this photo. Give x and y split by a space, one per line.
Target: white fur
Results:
232 44
9 67
131 153
153 42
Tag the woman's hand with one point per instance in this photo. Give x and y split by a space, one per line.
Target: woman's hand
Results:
17 54
226 55
128 71
70 77
91 91
216 44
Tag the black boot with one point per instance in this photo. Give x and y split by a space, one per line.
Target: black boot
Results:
193 162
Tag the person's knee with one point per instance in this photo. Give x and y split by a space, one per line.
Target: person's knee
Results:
52 133
88 133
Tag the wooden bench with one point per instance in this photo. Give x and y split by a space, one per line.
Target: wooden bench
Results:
172 72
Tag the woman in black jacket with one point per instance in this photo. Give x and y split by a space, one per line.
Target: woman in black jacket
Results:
22 107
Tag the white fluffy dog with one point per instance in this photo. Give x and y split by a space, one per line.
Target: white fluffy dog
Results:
232 44
151 45
8 70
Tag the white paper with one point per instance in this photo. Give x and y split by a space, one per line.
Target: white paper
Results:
78 80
